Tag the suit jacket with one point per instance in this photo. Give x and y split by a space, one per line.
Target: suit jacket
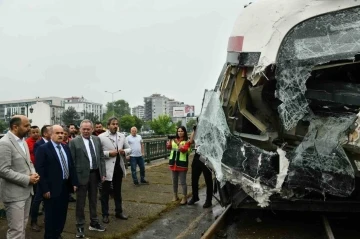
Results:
50 170
108 144
82 160
15 170
38 144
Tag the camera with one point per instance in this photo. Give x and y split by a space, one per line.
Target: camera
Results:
171 137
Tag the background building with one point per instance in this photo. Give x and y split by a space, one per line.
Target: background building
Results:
155 105
40 111
83 107
138 111
173 103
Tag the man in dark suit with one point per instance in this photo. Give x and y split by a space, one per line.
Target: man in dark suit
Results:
38 198
90 168
55 167
45 137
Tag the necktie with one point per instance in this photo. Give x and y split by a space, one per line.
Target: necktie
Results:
64 164
93 155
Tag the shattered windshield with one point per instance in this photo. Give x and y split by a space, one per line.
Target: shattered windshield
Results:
330 37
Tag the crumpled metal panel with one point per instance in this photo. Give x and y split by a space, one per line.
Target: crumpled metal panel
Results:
318 164
234 160
313 42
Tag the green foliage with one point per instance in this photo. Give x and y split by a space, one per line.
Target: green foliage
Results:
146 125
121 108
138 123
178 124
129 121
70 116
126 122
91 116
163 125
3 126
190 124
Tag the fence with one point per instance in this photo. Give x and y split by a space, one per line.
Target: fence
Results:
155 149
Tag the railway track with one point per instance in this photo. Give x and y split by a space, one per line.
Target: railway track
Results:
266 224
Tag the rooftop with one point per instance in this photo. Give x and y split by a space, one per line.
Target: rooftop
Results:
31 100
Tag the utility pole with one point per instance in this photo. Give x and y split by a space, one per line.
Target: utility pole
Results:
112 100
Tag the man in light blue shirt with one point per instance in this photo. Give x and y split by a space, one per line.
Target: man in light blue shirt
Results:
136 157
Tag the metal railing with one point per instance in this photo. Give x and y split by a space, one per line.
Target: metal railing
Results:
155 149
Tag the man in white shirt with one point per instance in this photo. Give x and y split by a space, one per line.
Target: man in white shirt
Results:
136 157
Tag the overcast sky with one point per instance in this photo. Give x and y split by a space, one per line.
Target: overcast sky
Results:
83 47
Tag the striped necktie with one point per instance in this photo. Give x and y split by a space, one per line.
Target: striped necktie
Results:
64 164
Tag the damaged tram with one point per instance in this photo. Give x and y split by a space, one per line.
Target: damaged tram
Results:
281 129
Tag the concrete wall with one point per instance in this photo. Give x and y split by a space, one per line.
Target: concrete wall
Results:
41 114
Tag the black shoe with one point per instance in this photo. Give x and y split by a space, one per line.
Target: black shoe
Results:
80 233
121 216
96 227
35 227
193 200
207 204
136 184
71 199
144 182
106 219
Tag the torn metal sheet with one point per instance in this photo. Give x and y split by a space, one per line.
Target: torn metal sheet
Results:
320 163
256 170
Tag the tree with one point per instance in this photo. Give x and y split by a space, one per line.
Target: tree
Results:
91 116
146 125
121 108
126 122
70 116
163 125
3 126
179 123
190 124
138 123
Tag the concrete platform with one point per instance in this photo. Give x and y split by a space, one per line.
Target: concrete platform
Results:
143 205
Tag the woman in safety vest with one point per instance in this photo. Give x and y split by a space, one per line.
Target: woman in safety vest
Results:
179 160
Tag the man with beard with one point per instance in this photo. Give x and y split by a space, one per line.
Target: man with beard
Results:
17 175
71 135
34 136
115 147
72 129
55 167
38 198
98 128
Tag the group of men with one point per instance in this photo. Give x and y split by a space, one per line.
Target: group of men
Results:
59 163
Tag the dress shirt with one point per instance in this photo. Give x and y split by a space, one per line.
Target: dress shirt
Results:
58 154
45 140
19 141
86 142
